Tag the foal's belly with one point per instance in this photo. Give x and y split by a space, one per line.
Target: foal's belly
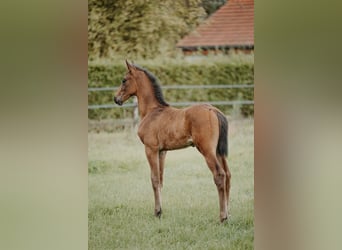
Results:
173 143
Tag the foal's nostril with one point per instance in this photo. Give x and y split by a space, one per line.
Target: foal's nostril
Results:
117 100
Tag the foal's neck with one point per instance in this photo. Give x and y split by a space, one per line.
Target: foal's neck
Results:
146 99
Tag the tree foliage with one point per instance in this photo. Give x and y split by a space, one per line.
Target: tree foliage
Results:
211 6
139 28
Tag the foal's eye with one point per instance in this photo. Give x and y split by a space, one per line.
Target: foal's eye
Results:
124 80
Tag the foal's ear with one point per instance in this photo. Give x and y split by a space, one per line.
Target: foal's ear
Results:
130 67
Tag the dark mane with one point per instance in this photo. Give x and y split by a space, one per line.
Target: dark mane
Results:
155 86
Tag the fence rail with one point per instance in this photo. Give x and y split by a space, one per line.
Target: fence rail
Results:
132 105
238 86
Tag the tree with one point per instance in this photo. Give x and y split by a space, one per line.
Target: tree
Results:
211 6
139 28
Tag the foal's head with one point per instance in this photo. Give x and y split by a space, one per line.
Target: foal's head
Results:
128 85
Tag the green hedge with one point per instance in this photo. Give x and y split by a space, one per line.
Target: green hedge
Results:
109 75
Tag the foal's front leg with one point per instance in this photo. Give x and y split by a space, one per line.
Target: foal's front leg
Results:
162 155
153 159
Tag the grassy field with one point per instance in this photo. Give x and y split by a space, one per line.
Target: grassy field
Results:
121 199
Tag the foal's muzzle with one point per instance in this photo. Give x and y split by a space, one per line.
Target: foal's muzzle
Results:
118 100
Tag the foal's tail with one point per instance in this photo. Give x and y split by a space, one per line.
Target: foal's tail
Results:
222 145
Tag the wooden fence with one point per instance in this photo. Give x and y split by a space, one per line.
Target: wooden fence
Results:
134 105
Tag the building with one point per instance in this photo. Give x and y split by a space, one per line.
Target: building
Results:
230 27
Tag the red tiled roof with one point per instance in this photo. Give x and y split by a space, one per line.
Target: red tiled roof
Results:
231 25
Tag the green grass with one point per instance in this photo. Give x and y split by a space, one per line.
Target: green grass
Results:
121 200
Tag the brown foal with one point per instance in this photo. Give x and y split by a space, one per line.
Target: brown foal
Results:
164 128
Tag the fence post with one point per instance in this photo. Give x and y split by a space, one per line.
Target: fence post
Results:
135 112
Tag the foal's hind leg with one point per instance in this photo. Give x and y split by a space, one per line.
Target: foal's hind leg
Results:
224 164
220 181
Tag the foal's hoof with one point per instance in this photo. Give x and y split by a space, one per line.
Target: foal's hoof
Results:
158 213
223 219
